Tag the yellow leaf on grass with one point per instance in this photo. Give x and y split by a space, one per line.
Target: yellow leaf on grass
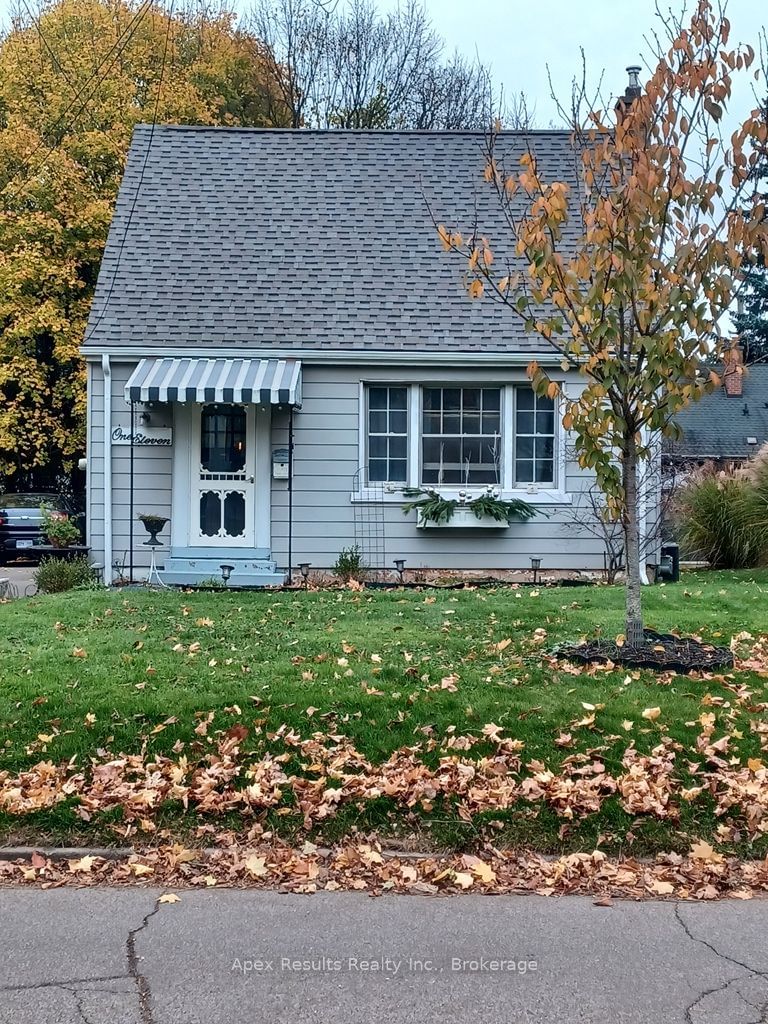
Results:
78 652
651 714
502 645
754 764
703 851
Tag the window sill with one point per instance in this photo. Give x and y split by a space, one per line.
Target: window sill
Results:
545 496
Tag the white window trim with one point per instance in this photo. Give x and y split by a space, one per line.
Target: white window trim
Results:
534 494
362 460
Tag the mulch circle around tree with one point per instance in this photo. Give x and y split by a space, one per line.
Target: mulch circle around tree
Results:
661 651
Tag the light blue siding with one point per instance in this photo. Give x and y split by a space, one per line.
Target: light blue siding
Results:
326 459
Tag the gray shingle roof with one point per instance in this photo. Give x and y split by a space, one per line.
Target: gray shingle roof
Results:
718 426
305 239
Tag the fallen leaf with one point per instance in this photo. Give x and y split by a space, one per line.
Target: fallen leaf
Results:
463 879
256 866
84 864
703 851
661 888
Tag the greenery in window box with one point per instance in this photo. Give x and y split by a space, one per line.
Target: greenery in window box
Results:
491 507
433 508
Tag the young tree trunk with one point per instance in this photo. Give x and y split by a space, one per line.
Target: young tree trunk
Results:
634 612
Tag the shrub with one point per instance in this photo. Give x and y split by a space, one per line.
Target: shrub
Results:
211 583
350 565
55 575
719 518
58 527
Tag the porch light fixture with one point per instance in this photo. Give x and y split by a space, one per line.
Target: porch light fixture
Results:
304 570
535 566
400 567
226 572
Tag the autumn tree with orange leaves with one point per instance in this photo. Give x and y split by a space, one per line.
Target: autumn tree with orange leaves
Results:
76 76
663 211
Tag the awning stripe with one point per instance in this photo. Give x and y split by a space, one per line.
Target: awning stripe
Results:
255 381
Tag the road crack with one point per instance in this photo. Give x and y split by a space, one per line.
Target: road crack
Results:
752 972
142 985
67 983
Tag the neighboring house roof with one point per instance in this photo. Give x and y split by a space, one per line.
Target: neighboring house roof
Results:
719 426
281 239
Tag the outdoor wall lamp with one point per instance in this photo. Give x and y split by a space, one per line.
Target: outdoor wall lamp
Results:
226 572
535 566
400 567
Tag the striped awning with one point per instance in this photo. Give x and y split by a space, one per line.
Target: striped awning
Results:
250 381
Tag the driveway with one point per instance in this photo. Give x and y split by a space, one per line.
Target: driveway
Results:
117 956
19 575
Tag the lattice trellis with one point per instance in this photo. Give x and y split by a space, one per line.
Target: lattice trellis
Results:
370 524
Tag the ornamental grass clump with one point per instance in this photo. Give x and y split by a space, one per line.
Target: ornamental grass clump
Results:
722 515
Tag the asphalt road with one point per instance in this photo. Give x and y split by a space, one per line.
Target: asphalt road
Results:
19 575
116 956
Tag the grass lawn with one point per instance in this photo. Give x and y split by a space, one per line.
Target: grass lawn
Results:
136 672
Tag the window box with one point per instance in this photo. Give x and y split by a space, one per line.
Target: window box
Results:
463 519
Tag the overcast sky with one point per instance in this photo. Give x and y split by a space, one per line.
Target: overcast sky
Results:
519 38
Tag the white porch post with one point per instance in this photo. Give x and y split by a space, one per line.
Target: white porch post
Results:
106 370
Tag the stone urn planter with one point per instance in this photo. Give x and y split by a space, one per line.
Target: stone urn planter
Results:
153 525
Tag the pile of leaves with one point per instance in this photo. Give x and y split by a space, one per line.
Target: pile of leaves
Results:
258 860
312 778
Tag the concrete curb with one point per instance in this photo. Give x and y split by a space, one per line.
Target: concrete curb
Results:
124 852
65 852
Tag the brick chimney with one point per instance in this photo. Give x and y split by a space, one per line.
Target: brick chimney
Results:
633 91
733 375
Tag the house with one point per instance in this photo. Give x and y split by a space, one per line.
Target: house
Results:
279 346
728 426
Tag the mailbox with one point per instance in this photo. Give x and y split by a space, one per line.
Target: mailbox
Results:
280 461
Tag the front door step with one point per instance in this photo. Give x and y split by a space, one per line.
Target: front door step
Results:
246 572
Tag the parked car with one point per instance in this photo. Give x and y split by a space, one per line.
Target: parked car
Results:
21 522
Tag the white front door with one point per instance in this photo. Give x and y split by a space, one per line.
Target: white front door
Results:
223 474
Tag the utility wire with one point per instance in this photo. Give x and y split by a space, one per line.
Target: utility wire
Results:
89 333
59 65
117 50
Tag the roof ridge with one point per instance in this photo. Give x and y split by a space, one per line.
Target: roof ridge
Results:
235 129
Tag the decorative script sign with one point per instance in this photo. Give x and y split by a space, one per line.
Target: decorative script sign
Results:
145 437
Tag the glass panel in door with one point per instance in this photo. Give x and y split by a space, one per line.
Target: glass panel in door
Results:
222 511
